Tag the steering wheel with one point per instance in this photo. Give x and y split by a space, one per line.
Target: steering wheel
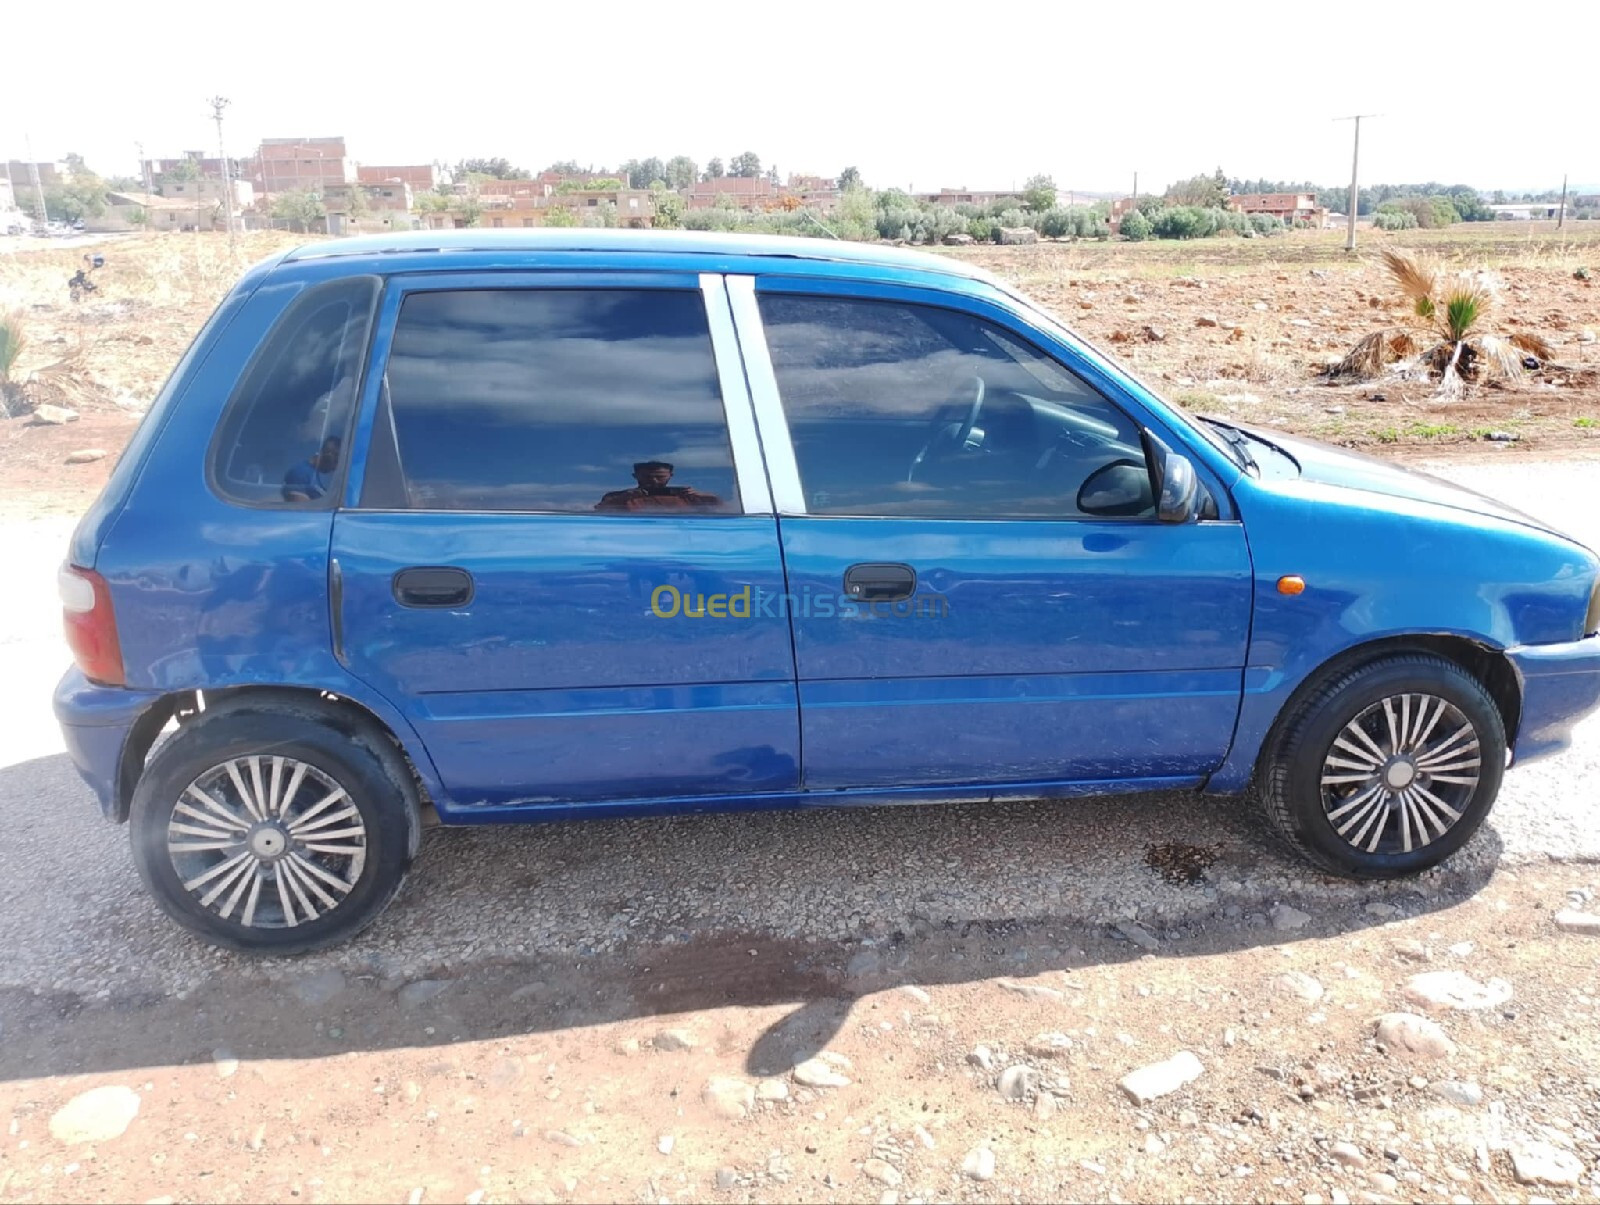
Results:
939 429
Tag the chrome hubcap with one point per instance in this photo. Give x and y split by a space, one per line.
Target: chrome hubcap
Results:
268 842
1400 774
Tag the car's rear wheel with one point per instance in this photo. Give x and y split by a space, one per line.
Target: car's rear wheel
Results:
1387 769
270 831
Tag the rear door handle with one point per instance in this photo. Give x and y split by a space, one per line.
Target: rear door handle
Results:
433 586
880 582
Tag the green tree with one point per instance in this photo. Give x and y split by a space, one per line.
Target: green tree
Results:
1135 226
1201 192
714 170
80 194
563 167
499 169
850 179
303 209
359 207
669 209
1039 193
746 165
681 172
639 172
183 170
560 215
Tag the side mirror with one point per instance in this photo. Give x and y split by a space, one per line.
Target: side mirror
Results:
1119 490
1176 484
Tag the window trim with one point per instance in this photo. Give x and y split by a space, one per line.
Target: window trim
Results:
336 488
784 469
745 453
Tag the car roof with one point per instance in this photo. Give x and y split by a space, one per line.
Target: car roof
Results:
647 242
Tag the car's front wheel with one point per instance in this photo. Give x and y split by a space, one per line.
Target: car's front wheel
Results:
1388 769
271 830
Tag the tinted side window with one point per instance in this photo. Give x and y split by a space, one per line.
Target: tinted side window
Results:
282 433
567 400
902 409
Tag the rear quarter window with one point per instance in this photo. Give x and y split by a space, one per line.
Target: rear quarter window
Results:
284 431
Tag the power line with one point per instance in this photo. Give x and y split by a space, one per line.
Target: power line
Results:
1355 164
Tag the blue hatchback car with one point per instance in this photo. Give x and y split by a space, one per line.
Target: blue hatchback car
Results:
562 524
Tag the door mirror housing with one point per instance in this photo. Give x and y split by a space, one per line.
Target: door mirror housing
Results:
1176 484
1119 490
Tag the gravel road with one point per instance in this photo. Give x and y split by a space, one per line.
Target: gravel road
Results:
76 919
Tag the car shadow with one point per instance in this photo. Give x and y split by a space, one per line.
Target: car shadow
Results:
529 929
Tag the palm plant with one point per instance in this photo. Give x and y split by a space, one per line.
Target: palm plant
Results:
1453 308
12 341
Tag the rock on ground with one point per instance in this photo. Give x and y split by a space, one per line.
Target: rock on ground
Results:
1159 1079
1446 991
1298 985
819 1073
729 1097
1569 920
1017 1081
979 1164
98 1115
1286 918
1541 1163
1407 1033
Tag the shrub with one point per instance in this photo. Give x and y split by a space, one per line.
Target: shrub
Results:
982 229
1183 221
1056 222
1266 223
1014 218
12 341
1394 220
1135 226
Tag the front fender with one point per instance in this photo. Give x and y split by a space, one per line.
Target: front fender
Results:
1379 569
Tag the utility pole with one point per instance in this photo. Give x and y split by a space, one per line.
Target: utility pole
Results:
1355 164
38 189
1135 185
1561 220
219 103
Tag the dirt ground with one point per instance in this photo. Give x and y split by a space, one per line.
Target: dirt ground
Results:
1247 328
1233 327
740 1069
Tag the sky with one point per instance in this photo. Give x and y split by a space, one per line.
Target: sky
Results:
924 96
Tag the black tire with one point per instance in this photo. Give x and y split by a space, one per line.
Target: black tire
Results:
350 755
1292 776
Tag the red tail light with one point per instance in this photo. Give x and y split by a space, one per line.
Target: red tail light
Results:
91 626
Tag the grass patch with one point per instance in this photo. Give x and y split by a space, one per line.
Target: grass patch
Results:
1433 430
1586 422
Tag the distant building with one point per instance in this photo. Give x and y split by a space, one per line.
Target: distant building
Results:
965 196
22 174
204 167
1291 207
146 211
418 176
209 190
301 165
814 192
1526 211
386 206
746 192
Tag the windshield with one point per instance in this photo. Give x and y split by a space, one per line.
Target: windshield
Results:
1202 427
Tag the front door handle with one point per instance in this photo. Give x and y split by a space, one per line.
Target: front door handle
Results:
433 586
880 582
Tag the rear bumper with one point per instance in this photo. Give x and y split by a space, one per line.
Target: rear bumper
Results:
95 723
1560 685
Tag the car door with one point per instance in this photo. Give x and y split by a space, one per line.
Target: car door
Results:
545 460
968 606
